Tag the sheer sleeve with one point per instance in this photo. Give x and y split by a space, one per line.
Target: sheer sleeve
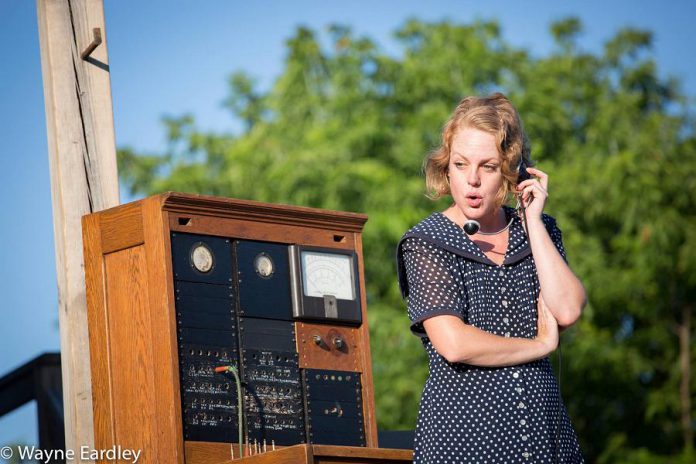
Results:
433 289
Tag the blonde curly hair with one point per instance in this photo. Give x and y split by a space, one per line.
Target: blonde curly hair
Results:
495 115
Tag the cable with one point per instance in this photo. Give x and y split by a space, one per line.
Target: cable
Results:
523 213
560 404
240 409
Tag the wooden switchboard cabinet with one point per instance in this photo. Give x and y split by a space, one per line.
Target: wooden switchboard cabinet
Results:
184 289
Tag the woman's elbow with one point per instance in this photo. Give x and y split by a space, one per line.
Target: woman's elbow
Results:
571 314
450 352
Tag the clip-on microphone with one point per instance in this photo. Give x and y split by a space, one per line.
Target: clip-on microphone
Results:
471 227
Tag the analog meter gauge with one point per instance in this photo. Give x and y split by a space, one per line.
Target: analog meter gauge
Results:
202 258
325 284
327 274
263 265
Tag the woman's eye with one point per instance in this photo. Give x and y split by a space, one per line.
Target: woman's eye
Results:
458 164
490 167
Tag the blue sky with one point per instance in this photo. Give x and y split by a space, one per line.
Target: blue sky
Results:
171 57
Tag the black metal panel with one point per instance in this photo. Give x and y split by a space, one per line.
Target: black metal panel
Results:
259 296
281 376
205 313
207 334
347 312
334 407
267 334
221 249
207 337
211 426
346 435
274 404
283 430
203 290
222 355
327 385
220 433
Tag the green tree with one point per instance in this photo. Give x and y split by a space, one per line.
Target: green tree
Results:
346 126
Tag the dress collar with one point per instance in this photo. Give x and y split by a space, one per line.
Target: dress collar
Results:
442 231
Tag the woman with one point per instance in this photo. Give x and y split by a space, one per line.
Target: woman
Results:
489 306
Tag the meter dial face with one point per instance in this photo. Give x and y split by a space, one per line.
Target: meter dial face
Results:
202 258
263 264
327 274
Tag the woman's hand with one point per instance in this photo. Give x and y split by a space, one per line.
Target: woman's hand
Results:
534 189
547 327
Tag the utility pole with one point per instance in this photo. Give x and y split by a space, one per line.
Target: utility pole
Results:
84 178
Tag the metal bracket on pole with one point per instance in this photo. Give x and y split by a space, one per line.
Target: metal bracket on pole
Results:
95 43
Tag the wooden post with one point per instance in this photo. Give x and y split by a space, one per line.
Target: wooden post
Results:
82 153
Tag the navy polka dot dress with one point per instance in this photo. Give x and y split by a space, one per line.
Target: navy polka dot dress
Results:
472 414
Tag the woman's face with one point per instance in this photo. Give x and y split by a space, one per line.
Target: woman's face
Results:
475 173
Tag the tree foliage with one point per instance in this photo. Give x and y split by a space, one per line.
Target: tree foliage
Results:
346 126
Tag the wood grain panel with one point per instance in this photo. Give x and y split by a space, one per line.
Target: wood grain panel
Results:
132 370
364 342
218 453
167 406
261 231
256 211
325 354
121 227
99 345
201 452
358 455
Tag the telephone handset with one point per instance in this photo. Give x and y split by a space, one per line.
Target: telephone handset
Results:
522 173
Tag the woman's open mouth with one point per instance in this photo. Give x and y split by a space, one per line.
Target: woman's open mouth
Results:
473 200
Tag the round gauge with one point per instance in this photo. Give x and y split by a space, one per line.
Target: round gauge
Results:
263 264
202 258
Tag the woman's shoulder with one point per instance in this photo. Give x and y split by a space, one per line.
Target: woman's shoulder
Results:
436 229
436 223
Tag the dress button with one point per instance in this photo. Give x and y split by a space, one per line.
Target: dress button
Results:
526 455
506 320
523 422
519 389
524 437
502 289
507 334
501 273
504 303
516 374
520 405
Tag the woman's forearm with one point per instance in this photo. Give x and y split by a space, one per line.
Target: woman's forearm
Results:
462 343
561 290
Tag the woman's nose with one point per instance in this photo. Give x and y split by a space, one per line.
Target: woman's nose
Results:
472 176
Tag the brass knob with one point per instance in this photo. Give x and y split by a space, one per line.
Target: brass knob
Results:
338 342
317 339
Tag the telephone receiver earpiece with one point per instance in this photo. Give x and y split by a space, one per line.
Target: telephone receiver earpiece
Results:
522 173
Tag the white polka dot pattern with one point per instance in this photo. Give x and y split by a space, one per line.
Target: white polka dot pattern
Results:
471 414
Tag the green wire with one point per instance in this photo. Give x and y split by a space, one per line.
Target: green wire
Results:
234 372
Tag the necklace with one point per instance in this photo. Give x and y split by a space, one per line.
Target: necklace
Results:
497 232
